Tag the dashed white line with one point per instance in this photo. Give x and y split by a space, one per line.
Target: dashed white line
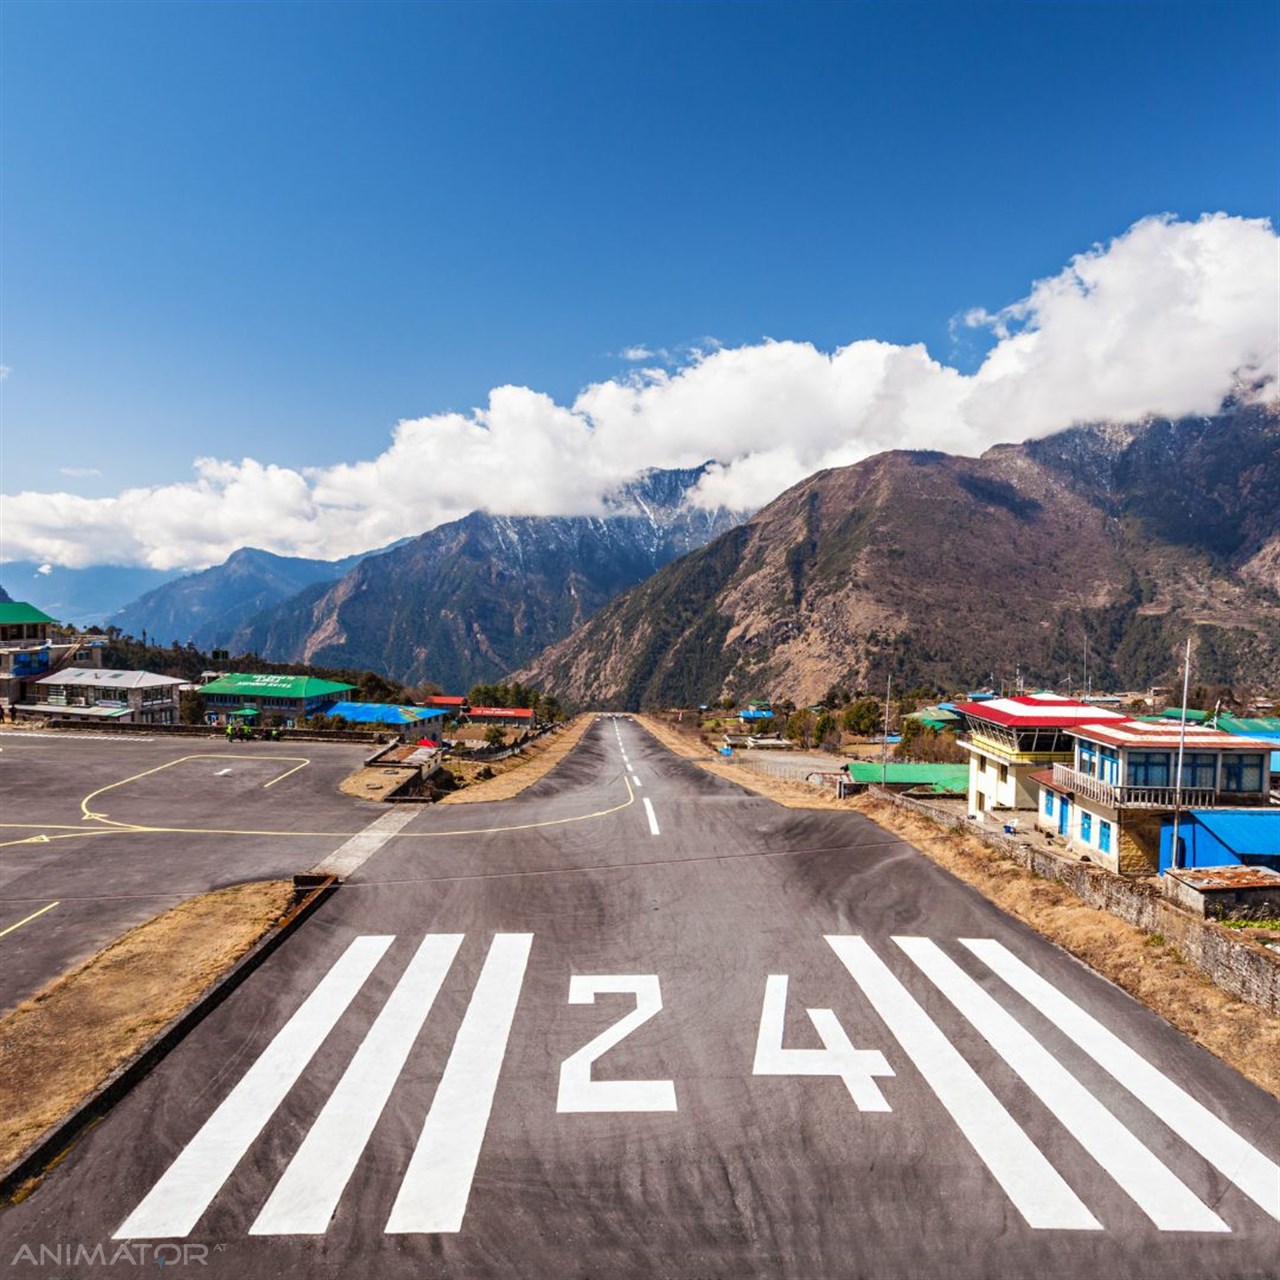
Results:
653 817
635 780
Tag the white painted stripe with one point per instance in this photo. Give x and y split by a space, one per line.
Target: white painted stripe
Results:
653 817
437 1184
1195 1124
635 779
1035 1187
1170 1204
222 773
347 858
174 1205
306 1196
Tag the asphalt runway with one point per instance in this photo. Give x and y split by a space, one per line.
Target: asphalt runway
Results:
578 1034
100 833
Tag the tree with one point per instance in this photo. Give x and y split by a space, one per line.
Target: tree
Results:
801 726
190 707
864 717
494 736
826 733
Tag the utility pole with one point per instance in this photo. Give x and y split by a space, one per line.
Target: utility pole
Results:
1182 742
884 744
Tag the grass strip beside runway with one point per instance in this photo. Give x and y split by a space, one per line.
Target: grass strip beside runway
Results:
60 1045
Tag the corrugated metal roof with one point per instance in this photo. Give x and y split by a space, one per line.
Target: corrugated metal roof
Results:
1163 733
523 713
1037 711
15 613
107 678
1207 879
272 686
1243 831
1251 726
383 713
954 777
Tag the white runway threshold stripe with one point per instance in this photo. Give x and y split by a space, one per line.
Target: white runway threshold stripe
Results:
184 1192
1037 1190
306 1196
653 817
1155 1189
437 1184
1233 1157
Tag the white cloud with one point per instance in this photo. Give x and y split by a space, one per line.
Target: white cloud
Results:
637 353
44 570
79 473
5 371
1168 318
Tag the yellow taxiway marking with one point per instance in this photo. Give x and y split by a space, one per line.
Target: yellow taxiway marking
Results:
299 762
28 919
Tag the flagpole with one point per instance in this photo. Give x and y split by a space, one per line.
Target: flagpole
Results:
1182 743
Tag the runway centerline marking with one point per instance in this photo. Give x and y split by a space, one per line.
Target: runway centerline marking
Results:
653 817
27 919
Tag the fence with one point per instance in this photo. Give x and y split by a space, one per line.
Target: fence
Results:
1246 970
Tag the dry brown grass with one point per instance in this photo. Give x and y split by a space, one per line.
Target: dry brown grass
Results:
1239 1033
63 1043
512 775
372 782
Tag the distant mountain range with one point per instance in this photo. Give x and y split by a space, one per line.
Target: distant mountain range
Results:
83 597
471 600
1101 547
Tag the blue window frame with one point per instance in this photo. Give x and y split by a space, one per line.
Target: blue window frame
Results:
1241 772
1104 836
1199 769
1086 826
1048 803
1147 769
1088 758
1109 770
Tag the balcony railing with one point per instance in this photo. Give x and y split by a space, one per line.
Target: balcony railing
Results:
1117 797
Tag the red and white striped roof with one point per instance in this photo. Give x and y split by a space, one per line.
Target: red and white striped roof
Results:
1038 711
1144 734
521 713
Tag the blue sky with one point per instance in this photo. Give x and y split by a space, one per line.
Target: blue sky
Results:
274 231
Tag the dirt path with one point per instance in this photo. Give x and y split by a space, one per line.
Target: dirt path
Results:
1239 1033
514 774
65 1041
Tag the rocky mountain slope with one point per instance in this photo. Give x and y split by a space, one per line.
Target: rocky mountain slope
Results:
207 608
470 600
1106 545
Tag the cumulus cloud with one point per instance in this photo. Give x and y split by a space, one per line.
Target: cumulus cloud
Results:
1169 318
639 352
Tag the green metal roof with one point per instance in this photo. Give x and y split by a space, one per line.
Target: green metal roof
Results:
941 777
270 686
1175 713
1246 725
14 613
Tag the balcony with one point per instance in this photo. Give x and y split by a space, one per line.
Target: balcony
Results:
1117 797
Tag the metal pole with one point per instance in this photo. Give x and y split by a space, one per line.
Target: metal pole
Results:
884 745
1182 743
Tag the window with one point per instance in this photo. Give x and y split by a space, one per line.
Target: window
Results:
1086 826
1048 804
1199 769
1148 769
1004 773
1110 767
1104 836
1089 759
1241 772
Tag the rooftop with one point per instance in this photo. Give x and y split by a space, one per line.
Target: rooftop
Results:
1165 734
273 686
15 613
1243 831
384 713
105 678
1207 879
1037 711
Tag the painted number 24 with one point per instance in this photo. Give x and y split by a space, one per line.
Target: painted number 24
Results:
578 1092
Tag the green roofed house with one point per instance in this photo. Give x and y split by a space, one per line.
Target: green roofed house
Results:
251 696
31 649
936 779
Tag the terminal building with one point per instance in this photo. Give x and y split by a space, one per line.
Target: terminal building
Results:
264 699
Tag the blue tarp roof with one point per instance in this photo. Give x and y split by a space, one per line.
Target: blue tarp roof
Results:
1243 831
755 715
383 713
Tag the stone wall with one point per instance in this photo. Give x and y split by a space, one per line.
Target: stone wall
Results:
1244 968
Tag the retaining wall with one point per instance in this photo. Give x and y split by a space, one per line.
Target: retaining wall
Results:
1245 969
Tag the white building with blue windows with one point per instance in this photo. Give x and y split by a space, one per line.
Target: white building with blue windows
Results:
1110 801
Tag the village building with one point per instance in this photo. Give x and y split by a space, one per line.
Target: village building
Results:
449 703
98 693
260 698
514 717
30 648
1110 799
1009 739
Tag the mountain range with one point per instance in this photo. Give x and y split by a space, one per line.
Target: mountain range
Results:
1087 556
470 600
